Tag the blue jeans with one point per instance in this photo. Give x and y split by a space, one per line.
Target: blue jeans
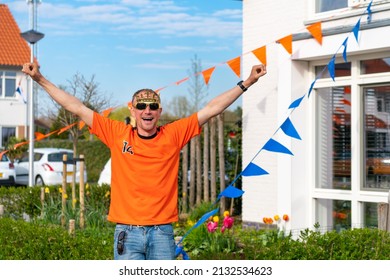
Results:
144 242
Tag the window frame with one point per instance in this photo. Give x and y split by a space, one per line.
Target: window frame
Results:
353 7
357 195
1 133
3 84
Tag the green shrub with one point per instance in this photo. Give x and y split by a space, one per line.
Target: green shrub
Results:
44 238
21 201
38 241
354 244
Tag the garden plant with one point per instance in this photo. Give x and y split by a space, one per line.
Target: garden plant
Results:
30 229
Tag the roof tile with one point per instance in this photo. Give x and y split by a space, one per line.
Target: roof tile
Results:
14 50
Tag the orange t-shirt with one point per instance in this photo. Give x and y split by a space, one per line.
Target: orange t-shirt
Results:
144 183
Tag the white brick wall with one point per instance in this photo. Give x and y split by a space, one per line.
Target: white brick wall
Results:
264 22
13 111
289 186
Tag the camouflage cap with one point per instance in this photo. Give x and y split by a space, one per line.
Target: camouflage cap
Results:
146 95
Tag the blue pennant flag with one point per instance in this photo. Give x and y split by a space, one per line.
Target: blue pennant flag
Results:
296 103
274 146
253 170
200 222
356 30
205 217
231 192
311 88
289 129
331 67
180 251
345 49
21 94
369 12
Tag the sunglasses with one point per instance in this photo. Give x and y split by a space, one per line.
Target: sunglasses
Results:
152 106
120 244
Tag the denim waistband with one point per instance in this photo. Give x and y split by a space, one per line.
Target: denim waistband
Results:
120 224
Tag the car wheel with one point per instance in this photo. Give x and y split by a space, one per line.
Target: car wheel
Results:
39 181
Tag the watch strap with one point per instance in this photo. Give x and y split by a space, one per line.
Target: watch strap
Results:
241 85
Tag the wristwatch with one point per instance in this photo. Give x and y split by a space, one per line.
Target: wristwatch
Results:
240 84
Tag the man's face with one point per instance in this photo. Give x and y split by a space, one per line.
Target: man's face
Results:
146 109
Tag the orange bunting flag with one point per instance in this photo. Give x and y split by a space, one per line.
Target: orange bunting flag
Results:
66 128
316 31
81 125
3 153
286 43
160 89
20 144
181 81
39 136
235 65
207 74
107 112
261 54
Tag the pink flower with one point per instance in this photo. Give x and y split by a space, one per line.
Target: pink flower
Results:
212 226
227 223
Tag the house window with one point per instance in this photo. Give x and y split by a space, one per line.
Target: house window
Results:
6 133
334 214
322 6
7 84
352 136
340 70
370 214
377 137
371 66
334 129
329 5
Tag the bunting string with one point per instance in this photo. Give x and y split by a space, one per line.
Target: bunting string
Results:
287 126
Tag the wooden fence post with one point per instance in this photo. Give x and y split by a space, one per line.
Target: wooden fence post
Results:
74 168
64 162
42 201
384 215
82 206
388 213
72 227
1 210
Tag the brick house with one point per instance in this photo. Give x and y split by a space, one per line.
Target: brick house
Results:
14 51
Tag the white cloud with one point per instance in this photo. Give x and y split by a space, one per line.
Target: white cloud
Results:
163 18
164 50
229 13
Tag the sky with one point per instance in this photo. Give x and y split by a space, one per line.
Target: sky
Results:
132 44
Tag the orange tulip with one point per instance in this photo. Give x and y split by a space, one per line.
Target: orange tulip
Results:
342 216
286 217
